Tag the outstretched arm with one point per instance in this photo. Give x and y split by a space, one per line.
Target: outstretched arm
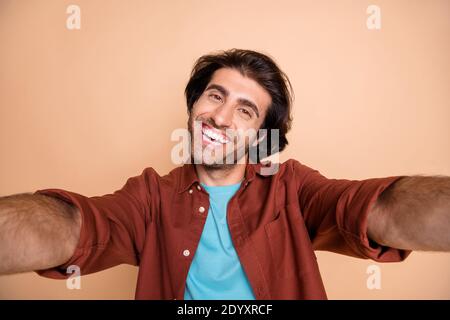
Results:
36 232
413 214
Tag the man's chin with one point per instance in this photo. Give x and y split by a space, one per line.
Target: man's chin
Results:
218 158
217 164
211 163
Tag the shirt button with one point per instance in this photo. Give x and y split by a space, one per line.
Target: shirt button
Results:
186 253
201 209
190 191
199 188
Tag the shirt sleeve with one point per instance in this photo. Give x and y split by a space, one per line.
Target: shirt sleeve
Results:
113 226
335 213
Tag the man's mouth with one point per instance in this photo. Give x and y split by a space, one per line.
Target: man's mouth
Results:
211 135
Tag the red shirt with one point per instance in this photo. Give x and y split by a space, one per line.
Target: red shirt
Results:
276 222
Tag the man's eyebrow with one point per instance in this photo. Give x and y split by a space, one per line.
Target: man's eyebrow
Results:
218 88
243 101
250 104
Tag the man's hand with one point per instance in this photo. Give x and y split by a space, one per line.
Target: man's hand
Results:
413 214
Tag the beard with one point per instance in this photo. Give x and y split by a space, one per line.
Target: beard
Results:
217 155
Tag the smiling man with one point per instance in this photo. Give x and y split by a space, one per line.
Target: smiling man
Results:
217 228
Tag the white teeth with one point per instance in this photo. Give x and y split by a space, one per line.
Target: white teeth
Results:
213 135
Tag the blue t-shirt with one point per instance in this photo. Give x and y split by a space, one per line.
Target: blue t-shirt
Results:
216 272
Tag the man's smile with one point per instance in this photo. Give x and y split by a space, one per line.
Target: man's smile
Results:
213 136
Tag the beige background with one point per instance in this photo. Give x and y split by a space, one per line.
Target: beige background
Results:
86 109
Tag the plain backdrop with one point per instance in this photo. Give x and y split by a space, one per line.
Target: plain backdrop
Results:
85 109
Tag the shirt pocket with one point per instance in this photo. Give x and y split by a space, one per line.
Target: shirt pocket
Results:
290 248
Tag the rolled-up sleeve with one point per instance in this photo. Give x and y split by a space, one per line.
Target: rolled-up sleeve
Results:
113 226
335 213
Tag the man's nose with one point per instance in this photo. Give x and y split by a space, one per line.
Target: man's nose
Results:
223 115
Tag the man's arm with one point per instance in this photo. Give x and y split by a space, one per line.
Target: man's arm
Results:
413 214
36 232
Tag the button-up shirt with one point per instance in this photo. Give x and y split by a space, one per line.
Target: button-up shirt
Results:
276 221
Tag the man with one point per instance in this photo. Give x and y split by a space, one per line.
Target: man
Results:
215 229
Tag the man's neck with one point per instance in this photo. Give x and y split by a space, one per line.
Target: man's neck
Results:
220 176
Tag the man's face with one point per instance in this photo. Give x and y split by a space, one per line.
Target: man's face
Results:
231 106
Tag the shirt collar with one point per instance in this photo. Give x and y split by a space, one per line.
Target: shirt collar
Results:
188 174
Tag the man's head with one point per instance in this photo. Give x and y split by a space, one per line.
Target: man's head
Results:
237 91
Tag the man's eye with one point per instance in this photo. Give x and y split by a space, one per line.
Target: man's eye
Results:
215 97
245 112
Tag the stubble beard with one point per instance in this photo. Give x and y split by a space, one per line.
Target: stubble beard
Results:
238 154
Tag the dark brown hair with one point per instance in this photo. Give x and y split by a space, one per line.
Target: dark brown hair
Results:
258 67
